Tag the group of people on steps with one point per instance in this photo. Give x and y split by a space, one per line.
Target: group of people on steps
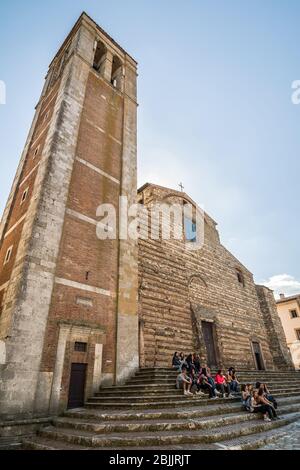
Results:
197 380
259 400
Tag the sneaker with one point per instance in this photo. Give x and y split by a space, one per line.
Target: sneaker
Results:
190 394
267 419
230 395
224 395
201 394
214 398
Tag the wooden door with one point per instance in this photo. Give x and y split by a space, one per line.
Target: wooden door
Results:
208 336
258 356
77 385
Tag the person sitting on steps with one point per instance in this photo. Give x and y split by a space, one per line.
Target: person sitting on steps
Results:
246 397
184 382
267 394
195 382
190 363
232 380
263 401
176 363
182 360
204 384
210 379
260 406
222 384
196 360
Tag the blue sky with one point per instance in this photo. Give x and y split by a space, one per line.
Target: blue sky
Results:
215 108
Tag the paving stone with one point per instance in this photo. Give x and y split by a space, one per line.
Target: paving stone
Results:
289 440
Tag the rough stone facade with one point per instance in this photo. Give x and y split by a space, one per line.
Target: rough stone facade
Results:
180 289
277 339
61 285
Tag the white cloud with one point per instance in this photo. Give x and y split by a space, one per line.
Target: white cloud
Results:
283 284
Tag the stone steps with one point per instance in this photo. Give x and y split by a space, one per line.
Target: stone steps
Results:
248 442
153 414
171 392
142 440
148 393
139 387
253 377
156 387
155 402
170 370
213 408
164 425
163 371
162 402
172 380
171 384
153 381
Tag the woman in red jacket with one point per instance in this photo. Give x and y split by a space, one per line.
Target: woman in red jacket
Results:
222 384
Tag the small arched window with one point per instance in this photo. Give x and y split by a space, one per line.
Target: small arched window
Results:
190 229
117 73
99 57
240 277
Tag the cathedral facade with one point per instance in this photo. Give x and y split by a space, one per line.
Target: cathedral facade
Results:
203 300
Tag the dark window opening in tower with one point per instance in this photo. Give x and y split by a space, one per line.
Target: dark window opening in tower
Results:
240 277
99 57
117 73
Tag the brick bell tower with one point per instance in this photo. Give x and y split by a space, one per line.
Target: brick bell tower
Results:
68 300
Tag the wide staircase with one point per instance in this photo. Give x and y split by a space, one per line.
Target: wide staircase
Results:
150 413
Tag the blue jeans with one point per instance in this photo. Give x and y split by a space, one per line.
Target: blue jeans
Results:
212 382
234 386
247 404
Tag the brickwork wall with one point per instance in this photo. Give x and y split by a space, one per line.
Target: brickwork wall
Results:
81 252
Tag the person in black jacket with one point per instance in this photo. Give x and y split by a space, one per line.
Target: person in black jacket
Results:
176 363
260 386
190 362
197 362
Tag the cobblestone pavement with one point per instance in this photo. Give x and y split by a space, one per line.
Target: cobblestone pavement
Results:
290 440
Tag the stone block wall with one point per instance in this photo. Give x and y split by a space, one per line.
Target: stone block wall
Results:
178 289
277 340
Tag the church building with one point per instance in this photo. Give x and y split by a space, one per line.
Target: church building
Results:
78 312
